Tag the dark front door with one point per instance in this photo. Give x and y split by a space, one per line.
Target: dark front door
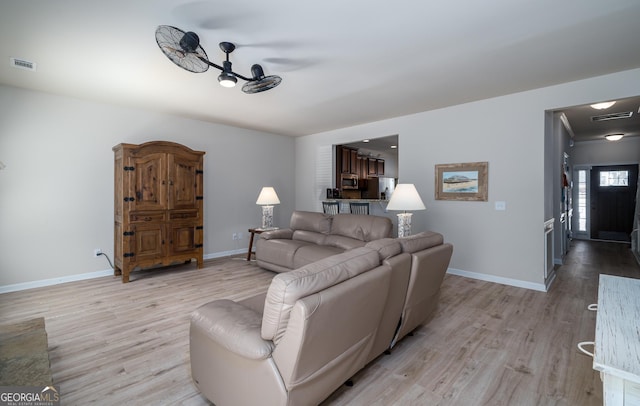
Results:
613 192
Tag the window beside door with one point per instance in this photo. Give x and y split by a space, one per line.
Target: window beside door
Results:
583 184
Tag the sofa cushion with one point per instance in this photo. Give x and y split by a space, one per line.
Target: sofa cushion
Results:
344 243
312 237
234 327
283 233
307 254
386 247
310 221
287 288
420 241
361 226
279 252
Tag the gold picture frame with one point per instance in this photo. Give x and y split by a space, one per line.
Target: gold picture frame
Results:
466 181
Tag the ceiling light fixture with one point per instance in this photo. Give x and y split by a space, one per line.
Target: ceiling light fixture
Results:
614 137
183 49
603 105
227 78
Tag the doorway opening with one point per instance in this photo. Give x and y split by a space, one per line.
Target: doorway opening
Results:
604 202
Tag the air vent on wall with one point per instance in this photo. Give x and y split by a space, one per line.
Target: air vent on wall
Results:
23 64
612 116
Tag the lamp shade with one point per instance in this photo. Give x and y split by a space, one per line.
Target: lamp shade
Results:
268 197
405 197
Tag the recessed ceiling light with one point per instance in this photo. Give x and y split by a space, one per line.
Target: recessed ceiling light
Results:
603 106
614 137
365 140
394 146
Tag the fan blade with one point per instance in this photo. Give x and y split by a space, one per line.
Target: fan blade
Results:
182 48
261 85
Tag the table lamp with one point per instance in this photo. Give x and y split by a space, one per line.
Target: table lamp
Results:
405 197
267 199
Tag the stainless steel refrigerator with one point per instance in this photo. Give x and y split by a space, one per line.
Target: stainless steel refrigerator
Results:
379 188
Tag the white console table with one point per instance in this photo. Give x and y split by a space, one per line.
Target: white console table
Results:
617 343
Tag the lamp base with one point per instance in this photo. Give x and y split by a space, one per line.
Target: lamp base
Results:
267 217
404 224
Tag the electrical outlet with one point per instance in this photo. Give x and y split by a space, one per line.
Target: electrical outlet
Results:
234 236
97 252
239 236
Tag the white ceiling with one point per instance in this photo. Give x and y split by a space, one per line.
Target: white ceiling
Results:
584 128
343 63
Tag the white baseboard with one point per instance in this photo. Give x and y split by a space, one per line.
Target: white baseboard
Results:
498 279
90 275
109 272
55 281
225 253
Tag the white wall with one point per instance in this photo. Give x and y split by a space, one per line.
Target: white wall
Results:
508 132
625 151
56 192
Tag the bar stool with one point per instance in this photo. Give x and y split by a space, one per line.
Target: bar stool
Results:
331 207
359 207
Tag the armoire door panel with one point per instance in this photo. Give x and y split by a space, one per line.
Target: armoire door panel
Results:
149 185
182 238
182 182
149 242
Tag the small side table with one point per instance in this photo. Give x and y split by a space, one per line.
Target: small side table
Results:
254 231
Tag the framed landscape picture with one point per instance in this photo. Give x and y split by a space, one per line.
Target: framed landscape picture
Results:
466 181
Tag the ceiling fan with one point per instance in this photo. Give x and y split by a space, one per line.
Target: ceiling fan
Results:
183 49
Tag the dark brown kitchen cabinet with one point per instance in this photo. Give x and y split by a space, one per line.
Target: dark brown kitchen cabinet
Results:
348 160
345 159
373 166
362 167
158 205
353 162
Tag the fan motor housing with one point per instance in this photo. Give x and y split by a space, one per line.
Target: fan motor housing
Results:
190 41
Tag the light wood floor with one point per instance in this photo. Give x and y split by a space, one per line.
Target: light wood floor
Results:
488 344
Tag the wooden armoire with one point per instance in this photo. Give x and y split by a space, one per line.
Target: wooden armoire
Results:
158 207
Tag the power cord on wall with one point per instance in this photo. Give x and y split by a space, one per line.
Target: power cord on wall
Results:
106 256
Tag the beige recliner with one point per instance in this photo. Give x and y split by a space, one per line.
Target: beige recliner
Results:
430 258
320 324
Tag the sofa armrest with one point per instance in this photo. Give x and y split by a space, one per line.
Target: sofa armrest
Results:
280 234
233 326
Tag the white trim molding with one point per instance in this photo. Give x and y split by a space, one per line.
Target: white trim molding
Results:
498 279
91 275
54 281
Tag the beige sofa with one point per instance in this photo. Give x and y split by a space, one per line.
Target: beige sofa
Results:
312 236
317 325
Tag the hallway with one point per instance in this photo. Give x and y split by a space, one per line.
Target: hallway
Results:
588 259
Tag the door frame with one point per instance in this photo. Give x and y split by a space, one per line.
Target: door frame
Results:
586 235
